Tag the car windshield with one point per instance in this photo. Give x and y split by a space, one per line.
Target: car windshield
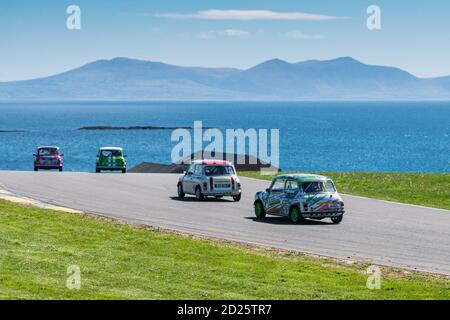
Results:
329 186
318 186
48 152
219 171
111 153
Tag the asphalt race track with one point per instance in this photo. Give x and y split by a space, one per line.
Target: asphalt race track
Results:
372 231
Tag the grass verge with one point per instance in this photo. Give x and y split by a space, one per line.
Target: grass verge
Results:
120 261
425 189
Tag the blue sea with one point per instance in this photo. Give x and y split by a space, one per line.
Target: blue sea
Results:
314 136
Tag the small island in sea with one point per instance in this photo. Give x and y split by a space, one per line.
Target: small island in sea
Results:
132 128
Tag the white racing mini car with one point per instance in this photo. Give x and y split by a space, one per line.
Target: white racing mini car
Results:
215 178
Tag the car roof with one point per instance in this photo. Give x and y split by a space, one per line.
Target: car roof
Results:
111 148
48 147
212 162
304 177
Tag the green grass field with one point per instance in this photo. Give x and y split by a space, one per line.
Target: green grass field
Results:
120 261
426 189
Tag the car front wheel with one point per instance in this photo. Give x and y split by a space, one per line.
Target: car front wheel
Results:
180 191
338 219
259 210
237 198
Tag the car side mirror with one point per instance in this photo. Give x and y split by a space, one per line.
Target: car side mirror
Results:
268 190
62 154
34 154
190 173
125 156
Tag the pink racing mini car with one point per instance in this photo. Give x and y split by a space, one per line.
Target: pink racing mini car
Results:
48 158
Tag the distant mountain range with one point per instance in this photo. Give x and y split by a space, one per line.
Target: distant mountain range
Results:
129 79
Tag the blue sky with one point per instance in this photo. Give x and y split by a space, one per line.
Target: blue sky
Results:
35 42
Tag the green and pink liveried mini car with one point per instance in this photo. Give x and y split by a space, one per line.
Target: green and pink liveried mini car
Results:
300 196
111 159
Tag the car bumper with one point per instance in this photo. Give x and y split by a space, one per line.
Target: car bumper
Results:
111 168
49 167
328 214
222 193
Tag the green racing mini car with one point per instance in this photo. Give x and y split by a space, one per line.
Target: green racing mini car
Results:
111 159
300 196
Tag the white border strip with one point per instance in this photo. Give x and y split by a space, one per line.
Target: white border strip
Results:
8 196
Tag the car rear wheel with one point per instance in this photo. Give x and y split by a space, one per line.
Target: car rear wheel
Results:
36 169
237 198
295 215
338 219
180 191
97 170
60 169
124 170
260 213
199 195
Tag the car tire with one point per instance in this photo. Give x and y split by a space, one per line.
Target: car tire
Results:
295 214
180 191
60 169
97 170
199 195
124 170
237 198
260 213
36 169
338 219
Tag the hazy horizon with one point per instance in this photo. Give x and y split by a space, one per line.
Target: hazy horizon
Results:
223 67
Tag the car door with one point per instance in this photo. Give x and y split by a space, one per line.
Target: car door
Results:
291 190
197 177
187 179
276 194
